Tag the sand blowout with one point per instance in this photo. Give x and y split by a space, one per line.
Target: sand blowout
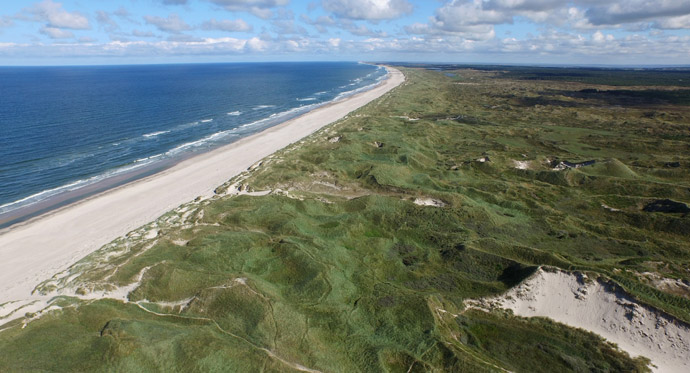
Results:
602 307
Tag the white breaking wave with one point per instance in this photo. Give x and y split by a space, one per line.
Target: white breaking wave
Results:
154 134
283 114
276 117
198 143
46 194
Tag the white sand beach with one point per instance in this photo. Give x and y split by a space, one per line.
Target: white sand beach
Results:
33 251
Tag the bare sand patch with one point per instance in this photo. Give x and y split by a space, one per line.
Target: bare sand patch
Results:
422 201
600 306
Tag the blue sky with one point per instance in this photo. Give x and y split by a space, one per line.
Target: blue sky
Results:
630 32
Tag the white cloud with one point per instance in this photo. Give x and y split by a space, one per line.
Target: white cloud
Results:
477 17
142 34
256 45
599 37
237 25
368 9
322 24
260 8
56 17
173 24
56 33
287 27
630 11
106 21
673 23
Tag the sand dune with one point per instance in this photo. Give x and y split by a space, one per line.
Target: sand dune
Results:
33 251
601 307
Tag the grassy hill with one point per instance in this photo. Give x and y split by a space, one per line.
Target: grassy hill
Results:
378 227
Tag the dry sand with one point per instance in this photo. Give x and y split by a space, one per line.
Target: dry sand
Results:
35 250
601 307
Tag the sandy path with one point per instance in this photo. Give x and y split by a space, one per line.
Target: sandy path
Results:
33 251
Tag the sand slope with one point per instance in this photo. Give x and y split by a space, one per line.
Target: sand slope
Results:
32 252
601 307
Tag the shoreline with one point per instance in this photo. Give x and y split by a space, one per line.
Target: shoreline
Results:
35 249
119 176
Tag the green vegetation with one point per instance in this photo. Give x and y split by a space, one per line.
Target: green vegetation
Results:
339 270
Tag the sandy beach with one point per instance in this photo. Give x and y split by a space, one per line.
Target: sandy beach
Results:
33 251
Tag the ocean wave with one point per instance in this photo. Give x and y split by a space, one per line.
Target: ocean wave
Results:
235 113
320 93
307 99
345 94
154 134
198 143
276 116
206 120
263 107
74 185
140 160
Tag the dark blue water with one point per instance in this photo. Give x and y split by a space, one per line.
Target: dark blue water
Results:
63 128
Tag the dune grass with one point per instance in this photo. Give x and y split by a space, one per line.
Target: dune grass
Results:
339 270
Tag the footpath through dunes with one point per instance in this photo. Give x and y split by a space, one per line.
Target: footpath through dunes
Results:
34 251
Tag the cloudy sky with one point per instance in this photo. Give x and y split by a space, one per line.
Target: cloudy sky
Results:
630 32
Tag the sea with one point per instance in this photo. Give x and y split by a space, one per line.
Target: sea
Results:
69 132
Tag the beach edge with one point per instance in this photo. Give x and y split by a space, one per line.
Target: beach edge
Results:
33 250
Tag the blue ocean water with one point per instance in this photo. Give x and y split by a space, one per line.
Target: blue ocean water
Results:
64 128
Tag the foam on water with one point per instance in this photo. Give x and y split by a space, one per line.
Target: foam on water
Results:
154 134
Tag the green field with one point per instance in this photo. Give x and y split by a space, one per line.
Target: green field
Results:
339 270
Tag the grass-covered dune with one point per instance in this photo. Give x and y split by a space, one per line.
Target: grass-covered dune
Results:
355 249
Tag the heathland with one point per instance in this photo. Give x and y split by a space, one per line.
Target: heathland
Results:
362 247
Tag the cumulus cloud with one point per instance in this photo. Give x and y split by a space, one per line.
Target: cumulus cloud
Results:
468 20
673 23
142 34
106 21
55 16
172 24
260 8
287 27
237 25
322 23
477 17
368 9
56 33
631 11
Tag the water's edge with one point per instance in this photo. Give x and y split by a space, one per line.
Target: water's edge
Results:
64 199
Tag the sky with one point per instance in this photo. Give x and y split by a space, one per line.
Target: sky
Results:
574 32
